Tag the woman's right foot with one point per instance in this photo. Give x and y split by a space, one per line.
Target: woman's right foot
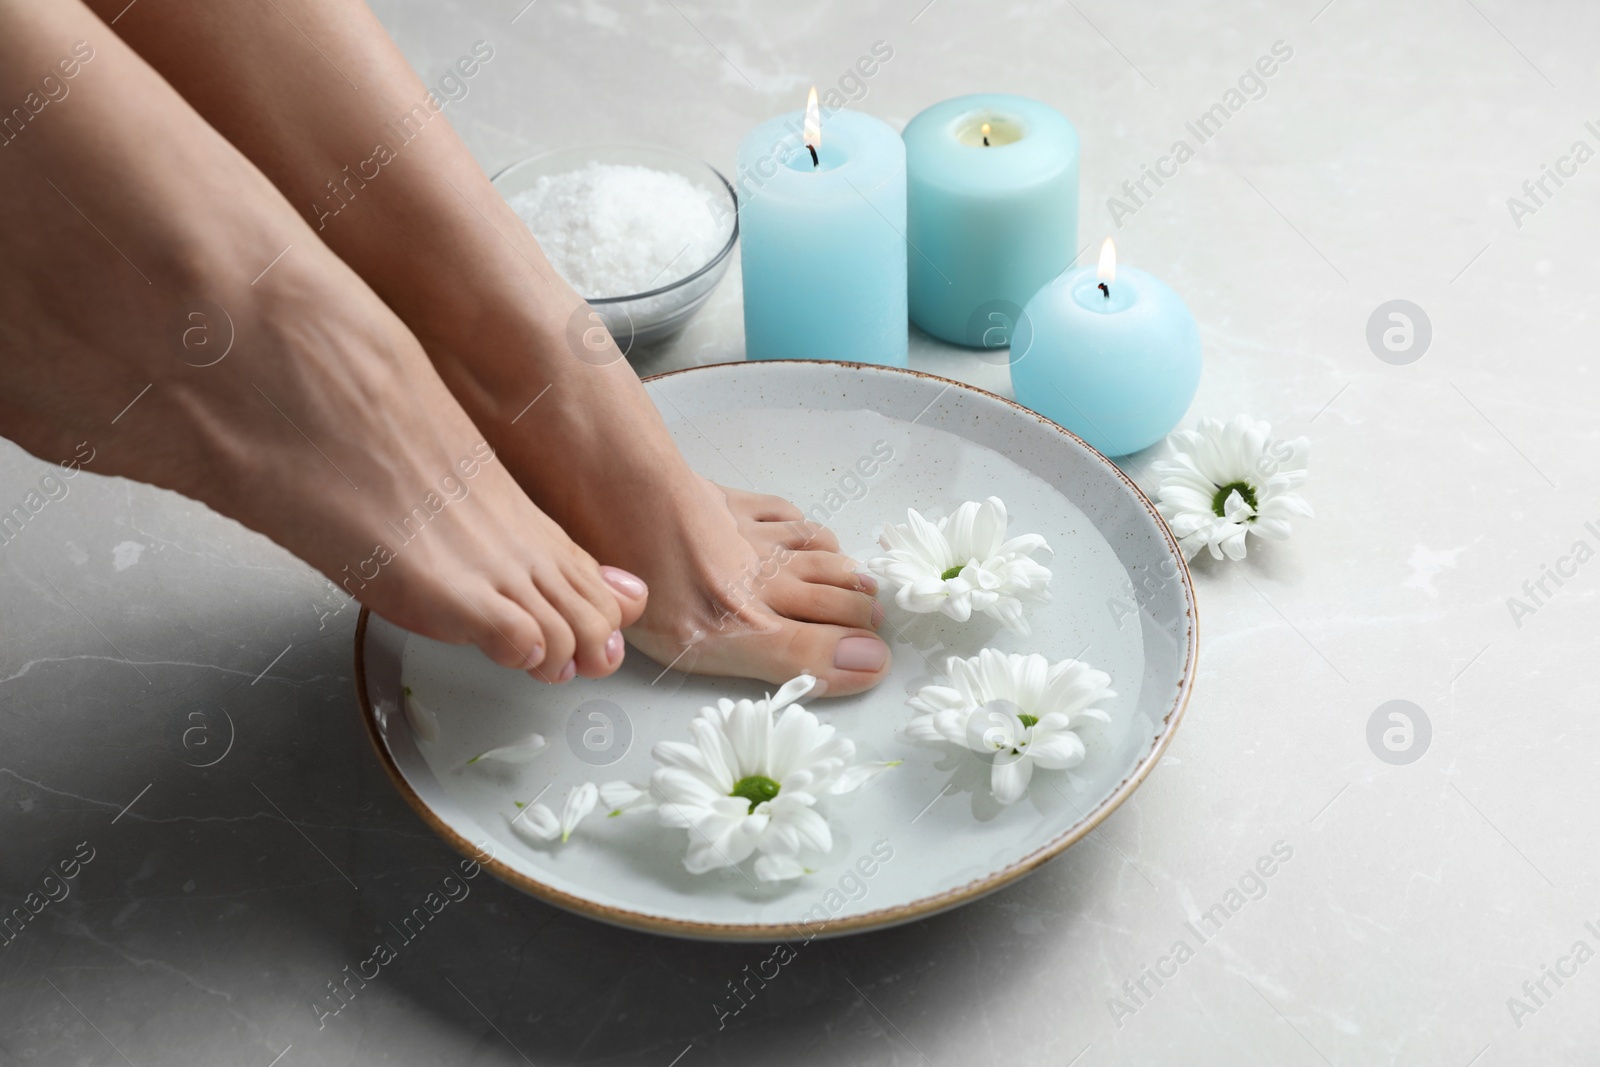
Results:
162 302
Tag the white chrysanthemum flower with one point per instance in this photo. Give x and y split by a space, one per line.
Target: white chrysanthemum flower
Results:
522 751
536 823
963 564
1022 710
1226 481
749 783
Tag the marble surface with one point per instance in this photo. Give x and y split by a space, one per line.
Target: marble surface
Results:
176 694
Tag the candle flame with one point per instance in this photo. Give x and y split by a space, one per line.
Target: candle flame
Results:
985 130
813 124
1108 262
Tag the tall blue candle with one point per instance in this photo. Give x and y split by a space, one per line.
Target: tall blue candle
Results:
1110 353
822 214
992 212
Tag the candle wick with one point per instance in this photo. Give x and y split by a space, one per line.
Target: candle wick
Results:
814 161
1104 288
986 142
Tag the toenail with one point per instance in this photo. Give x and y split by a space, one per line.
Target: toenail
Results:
867 583
877 614
629 585
614 646
534 658
571 669
860 654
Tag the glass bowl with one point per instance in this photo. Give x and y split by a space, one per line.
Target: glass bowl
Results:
647 317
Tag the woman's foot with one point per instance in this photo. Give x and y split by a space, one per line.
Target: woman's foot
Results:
747 587
735 589
146 316
741 584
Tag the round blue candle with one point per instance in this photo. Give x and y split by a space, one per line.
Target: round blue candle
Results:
1118 370
824 251
988 224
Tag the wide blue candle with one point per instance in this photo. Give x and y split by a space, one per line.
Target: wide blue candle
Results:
1110 353
824 251
988 223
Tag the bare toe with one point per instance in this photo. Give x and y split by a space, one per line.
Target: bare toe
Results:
597 641
845 660
830 568
632 594
795 535
557 643
772 522
805 534
808 602
508 633
583 575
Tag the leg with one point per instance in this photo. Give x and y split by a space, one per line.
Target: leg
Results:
432 237
323 426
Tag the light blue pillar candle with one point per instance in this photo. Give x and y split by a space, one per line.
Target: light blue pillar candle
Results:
988 224
1118 370
824 251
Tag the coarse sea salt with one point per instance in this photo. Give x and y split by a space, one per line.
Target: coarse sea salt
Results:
614 229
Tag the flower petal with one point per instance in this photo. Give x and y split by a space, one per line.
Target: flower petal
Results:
1057 751
859 775
720 758
927 541
677 786
1008 779
724 838
748 730
580 802
522 751
811 827
932 699
1009 611
536 824
771 868
424 723
795 736
625 798
680 754
792 690
1234 509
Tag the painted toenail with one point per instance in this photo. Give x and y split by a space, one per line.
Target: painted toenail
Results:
614 646
567 672
877 614
629 585
860 654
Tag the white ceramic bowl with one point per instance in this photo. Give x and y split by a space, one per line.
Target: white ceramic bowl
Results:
1122 601
650 316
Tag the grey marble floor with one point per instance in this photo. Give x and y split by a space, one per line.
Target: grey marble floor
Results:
178 726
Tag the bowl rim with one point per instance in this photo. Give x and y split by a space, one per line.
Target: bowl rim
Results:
733 195
879 918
